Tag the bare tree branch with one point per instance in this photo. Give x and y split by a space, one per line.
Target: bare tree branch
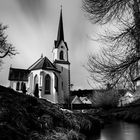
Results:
102 11
118 63
6 49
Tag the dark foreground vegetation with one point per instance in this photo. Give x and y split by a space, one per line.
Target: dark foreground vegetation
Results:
24 117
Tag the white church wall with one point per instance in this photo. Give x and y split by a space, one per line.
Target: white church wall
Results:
30 84
65 78
52 97
55 54
36 72
13 85
60 91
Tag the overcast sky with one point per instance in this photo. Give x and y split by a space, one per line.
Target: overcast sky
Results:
33 26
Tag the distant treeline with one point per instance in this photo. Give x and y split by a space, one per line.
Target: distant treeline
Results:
82 93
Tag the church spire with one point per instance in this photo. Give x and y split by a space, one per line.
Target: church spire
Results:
60 35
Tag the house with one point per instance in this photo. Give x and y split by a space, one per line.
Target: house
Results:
80 103
85 100
137 82
76 100
52 79
126 99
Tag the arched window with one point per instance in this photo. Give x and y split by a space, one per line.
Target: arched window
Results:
61 55
56 82
17 86
47 84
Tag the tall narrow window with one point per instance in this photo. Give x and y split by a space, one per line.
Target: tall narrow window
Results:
61 55
56 82
47 84
17 86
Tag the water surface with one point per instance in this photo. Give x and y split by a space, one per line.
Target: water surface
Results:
119 131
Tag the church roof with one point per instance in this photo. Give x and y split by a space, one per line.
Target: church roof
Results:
18 74
43 63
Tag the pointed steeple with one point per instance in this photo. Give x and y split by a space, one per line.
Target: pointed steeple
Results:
60 35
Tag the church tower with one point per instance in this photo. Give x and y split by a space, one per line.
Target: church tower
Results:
61 61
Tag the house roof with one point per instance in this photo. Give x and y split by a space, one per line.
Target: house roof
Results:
136 79
16 74
76 100
128 94
85 100
43 63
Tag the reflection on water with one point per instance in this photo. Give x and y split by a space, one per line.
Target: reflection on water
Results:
119 131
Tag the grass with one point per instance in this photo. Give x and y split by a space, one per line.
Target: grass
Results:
24 117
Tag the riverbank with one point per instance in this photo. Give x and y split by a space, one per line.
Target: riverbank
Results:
24 117
129 114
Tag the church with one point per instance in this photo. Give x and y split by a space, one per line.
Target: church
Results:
51 79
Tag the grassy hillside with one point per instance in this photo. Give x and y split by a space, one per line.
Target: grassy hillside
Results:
24 117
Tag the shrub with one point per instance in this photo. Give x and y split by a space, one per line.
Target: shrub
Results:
24 88
36 91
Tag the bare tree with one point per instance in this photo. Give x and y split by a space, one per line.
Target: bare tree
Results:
118 63
6 49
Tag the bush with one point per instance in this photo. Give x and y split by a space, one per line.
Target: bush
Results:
24 117
106 100
36 91
63 134
24 88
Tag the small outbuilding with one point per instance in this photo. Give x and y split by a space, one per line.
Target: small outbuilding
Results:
126 99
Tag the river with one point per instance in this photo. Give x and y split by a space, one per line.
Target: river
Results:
119 131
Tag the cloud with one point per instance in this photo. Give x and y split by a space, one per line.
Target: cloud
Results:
34 9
